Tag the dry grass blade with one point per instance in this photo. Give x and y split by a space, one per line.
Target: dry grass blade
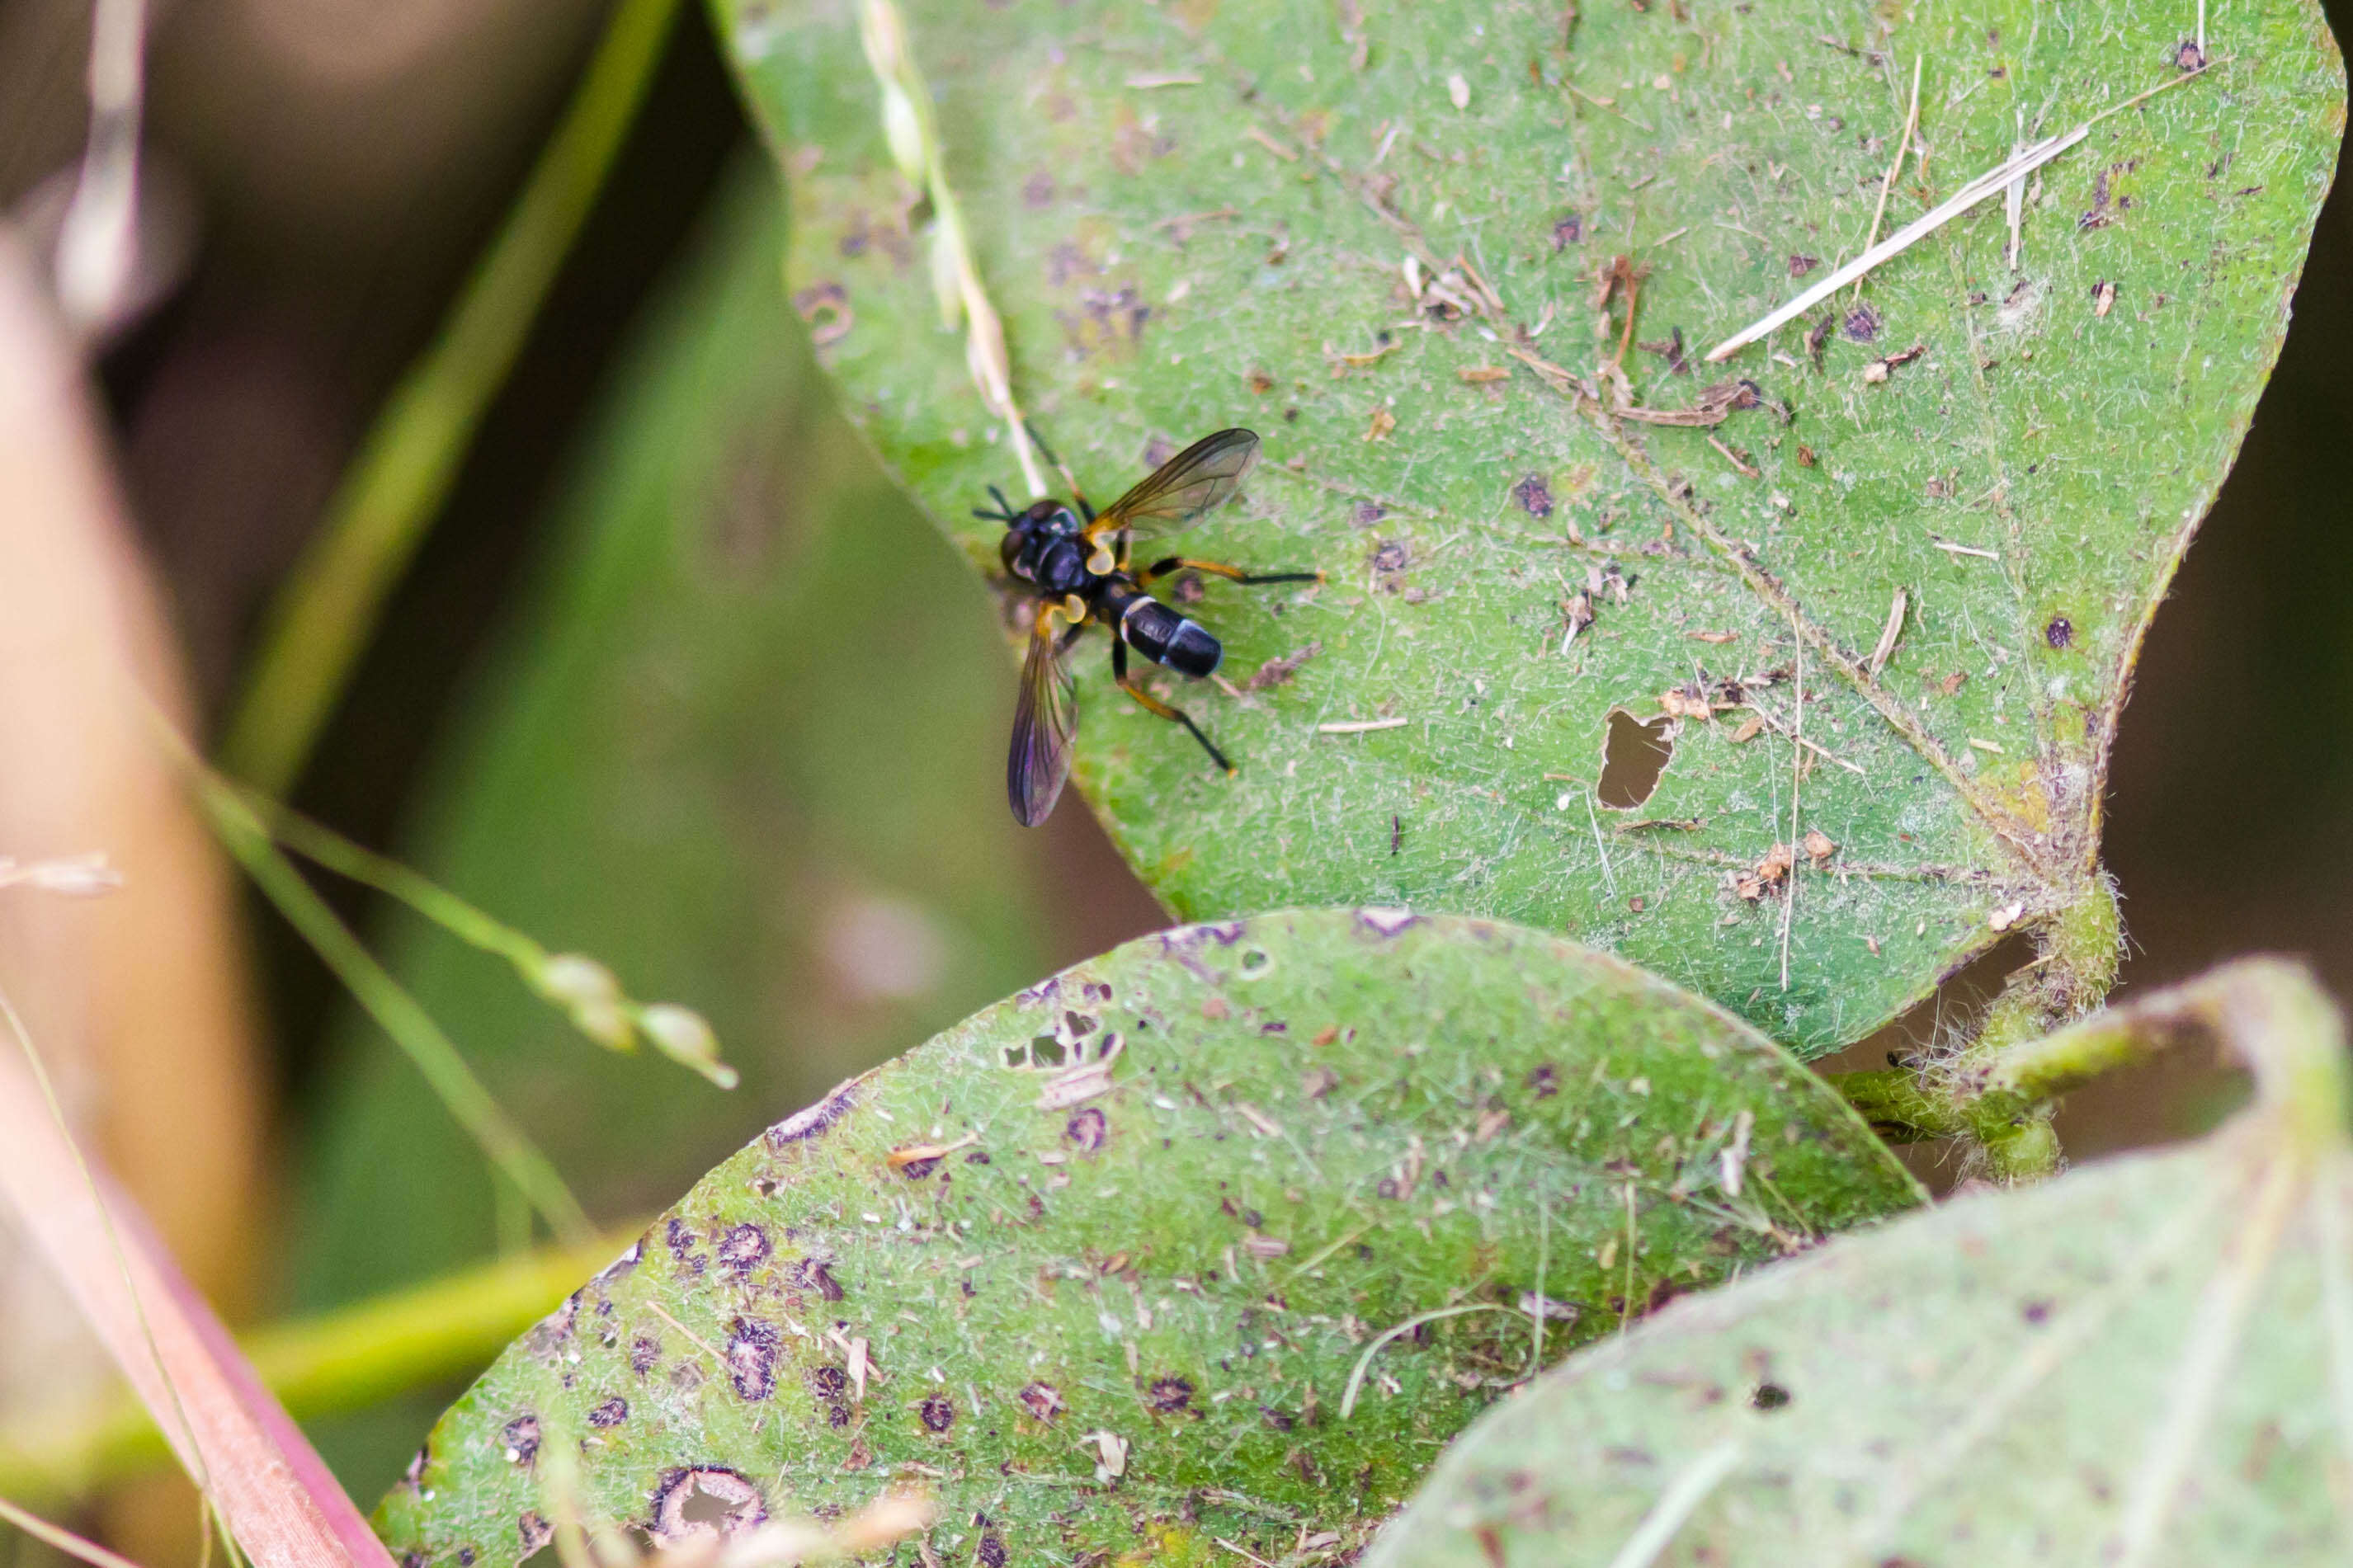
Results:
278 1498
1985 186
64 1540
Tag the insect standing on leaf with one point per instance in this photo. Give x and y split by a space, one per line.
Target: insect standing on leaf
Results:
1078 562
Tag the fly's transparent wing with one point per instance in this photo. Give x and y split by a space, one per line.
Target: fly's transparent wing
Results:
1183 488
1044 719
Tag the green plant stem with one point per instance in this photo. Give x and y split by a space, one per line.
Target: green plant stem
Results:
394 486
338 1361
395 1012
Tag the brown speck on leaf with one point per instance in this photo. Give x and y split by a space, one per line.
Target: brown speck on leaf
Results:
1750 728
1680 702
1533 495
1766 876
1481 374
937 1413
1952 683
1317 1082
1279 672
1188 590
1038 190
1861 324
2188 57
1381 424
1819 846
610 1414
1567 231
1816 336
1671 349
2060 633
1802 264
1806 459
752 1358
1367 513
825 308
1215 1007
1636 904
1544 1080
2103 297
1879 370
1043 1400
1087 1129
1168 1395
535 1531
522 1438
1259 382
1326 1034
743 1249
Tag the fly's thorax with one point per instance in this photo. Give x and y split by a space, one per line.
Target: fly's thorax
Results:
1032 537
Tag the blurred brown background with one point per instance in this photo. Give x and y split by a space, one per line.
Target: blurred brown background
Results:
342 163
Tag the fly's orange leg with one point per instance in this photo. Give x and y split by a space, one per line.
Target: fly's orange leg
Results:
1150 704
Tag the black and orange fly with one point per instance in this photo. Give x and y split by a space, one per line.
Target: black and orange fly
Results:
1076 559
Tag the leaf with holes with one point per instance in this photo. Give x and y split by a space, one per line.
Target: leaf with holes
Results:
1216 1237
1879 579
2147 1360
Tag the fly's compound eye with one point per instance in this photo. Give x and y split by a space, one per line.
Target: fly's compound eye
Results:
1009 548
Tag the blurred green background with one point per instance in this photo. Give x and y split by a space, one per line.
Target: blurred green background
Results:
680 679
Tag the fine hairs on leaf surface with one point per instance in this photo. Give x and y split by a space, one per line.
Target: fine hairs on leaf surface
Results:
2147 1360
1104 1262
1457 266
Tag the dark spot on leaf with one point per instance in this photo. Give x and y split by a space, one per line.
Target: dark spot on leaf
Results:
743 1249
1368 513
2036 1312
827 1382
991 1552
1158 450
1167 1395
804 1125
1281 1420
465 1557
1569 230
1544 1079
2188 57
752 1358
1087 1129
612 1412
644 1351
1534 496
681 1240
1802 264
522 1437
535 1532
1769 1397
2060 632
938 1413
1043 1400
705 1500
1038 191
1861 325
1633 756
836 1416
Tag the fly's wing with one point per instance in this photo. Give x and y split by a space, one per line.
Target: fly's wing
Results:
1043 722
1182 489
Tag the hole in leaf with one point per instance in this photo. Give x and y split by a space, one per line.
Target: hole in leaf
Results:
1256 962
1046 1051
1633 756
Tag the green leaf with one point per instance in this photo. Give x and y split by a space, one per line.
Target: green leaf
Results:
2147 1361
1112 1252
677 763
1317 220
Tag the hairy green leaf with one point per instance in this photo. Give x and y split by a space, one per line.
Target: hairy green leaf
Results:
1941 506
2149 1361
1104 1264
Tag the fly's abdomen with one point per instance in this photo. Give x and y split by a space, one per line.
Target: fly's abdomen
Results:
1165 637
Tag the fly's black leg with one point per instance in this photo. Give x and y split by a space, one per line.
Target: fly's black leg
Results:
1164 566
1150 704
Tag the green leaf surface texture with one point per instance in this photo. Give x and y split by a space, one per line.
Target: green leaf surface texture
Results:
2145 1362
1100 1265
1386 238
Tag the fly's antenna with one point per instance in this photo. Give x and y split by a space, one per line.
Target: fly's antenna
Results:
1004 512
1077 494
